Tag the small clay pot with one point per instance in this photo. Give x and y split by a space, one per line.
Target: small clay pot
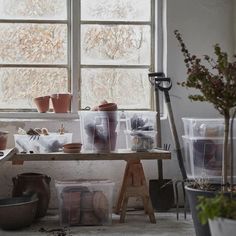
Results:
3 140
72 147
42 103
61 102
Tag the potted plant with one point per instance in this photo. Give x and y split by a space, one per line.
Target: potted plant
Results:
220 211
215 79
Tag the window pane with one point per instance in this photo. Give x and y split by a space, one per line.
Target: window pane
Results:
129 88
18 86
33 43
33 9
126 10
122 44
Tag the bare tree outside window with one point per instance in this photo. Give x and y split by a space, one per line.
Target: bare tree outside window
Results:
115 39
111 42
33 55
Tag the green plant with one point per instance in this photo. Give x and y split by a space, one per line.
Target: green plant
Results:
218 206
215 79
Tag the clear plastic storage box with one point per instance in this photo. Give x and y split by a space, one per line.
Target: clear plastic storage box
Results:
140 120
203 157
85 202
43 143
99 130
140 141
194 127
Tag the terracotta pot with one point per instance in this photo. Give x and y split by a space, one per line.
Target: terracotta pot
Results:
3 140
112 126
70 204
71 207
101 206
72 147
61 102
113 138
33 182
42 103
108 107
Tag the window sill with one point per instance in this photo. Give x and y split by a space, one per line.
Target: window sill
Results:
38 116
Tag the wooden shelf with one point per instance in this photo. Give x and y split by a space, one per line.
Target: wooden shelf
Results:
89 156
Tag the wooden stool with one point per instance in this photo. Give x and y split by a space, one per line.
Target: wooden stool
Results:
133 185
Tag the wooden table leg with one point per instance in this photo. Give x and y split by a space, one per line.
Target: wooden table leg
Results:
122 191
134 185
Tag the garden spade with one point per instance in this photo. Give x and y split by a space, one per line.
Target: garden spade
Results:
161 190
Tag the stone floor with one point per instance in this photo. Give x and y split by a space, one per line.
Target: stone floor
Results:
136 224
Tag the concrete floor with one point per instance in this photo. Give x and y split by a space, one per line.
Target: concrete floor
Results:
136 224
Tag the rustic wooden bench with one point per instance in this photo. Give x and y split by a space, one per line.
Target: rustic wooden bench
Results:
134 181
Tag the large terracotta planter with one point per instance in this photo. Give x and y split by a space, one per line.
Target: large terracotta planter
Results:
42 103
33 183
61 102
3 139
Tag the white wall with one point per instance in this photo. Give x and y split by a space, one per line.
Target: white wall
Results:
234 20
202 23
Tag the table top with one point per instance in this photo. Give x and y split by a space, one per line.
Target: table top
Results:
7 154
122 154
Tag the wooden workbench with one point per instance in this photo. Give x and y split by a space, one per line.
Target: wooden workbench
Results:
134 182
122 154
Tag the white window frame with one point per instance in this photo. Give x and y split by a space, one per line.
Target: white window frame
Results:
153 25
74 59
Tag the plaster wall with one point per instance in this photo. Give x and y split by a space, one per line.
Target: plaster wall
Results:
234 20
202 23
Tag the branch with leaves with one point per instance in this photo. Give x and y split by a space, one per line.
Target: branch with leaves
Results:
216 84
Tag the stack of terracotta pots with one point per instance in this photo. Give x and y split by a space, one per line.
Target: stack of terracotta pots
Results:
60 102
100 127
83 207
110 113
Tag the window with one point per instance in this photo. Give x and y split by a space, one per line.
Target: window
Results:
33 51
96 49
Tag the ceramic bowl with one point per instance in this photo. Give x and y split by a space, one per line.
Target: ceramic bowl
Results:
17 212
72 147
